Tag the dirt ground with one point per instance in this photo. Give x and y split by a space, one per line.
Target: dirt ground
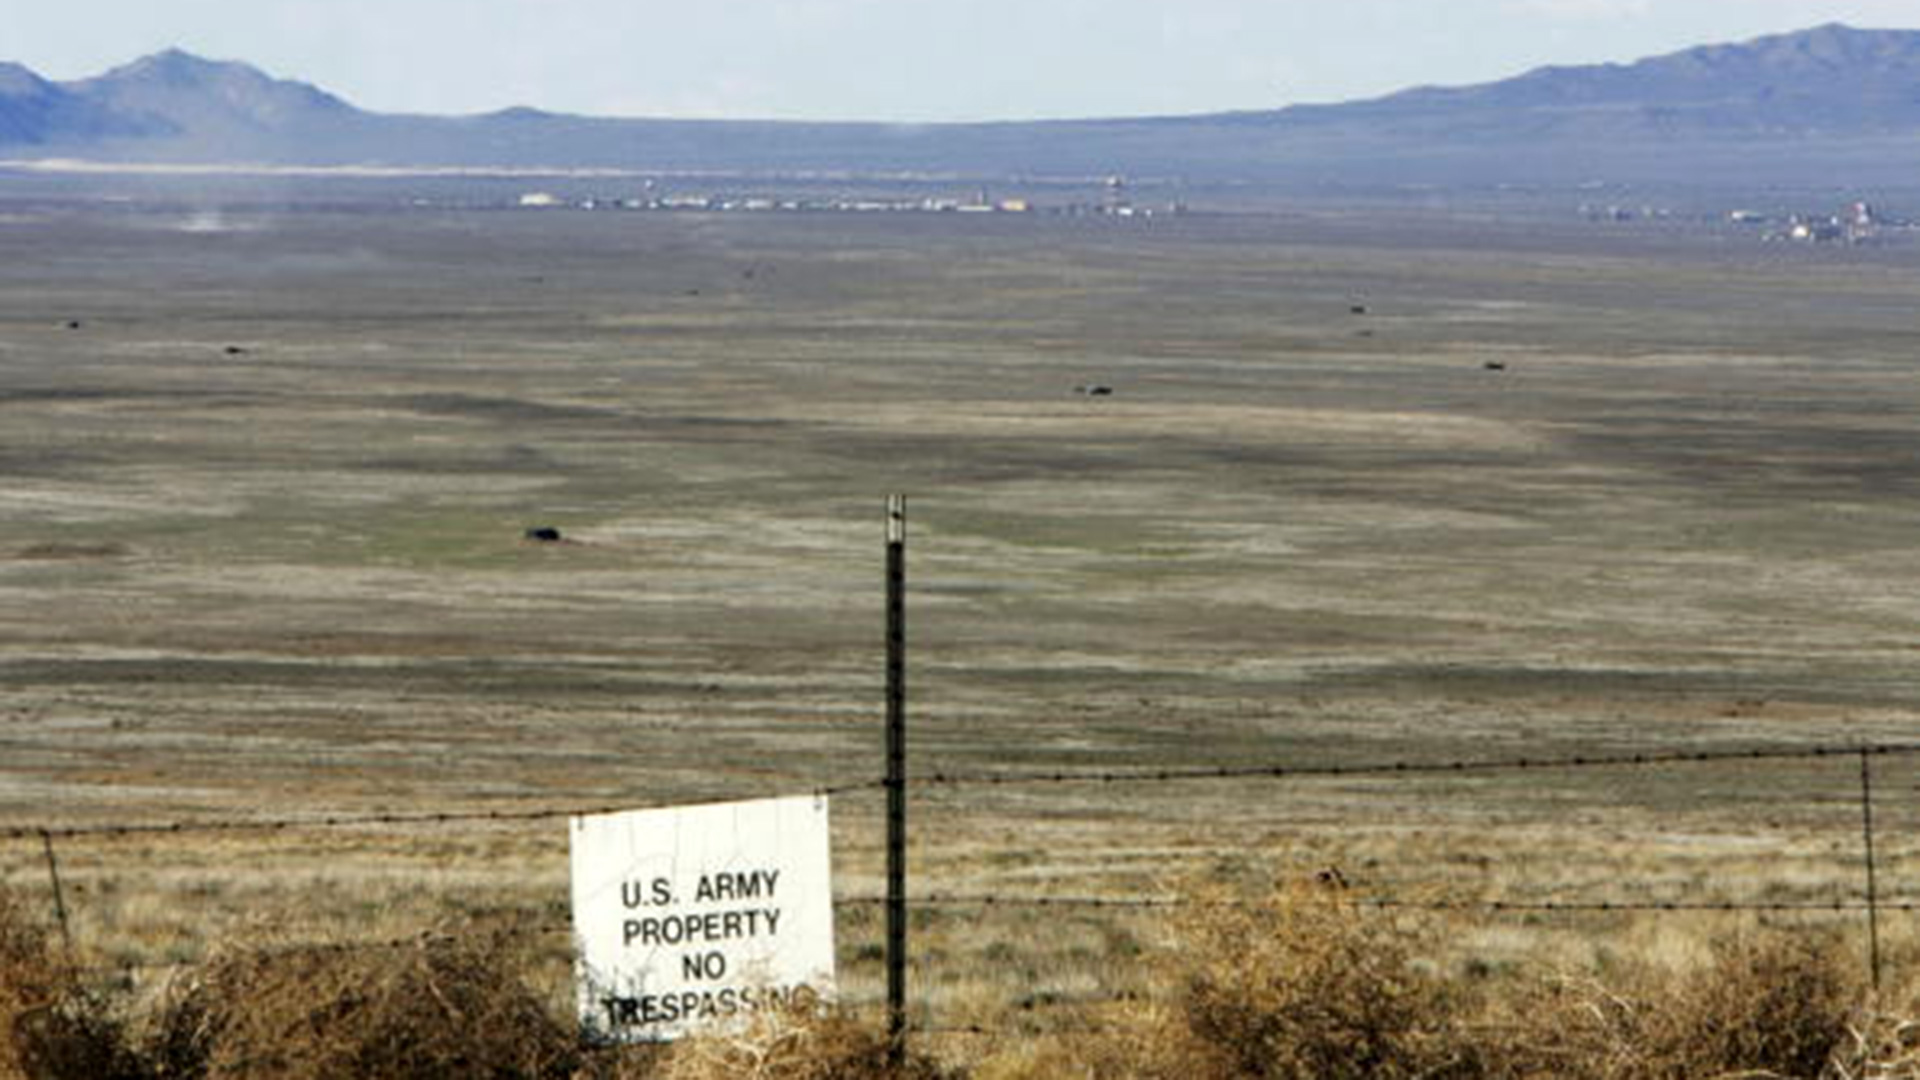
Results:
1367 488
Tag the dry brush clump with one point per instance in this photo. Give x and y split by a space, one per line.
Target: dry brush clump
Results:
1764 1004
1300 984
1772 1000
800 1042
1880 1046
29 979
1304 983
51 1026
454 1003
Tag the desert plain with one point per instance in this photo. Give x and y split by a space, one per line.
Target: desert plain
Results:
1370 482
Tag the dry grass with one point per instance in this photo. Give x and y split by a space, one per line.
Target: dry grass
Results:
1767 1004
51 1028
1305 984
1300 983
1879 1047
30 980
453 1003
797 1044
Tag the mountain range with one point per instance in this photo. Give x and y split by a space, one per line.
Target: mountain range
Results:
1832 105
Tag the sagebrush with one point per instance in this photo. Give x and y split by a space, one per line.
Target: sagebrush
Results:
1299 983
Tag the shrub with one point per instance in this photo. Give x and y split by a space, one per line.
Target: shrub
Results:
28 979
451 1004
1879 1047
1303 985
51 1028
799 1043
1774 1002
1767 1004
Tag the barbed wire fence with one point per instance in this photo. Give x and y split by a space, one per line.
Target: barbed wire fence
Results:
1869 902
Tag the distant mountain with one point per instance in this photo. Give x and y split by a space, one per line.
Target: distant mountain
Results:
1832 79
34 111
206 98
1830 105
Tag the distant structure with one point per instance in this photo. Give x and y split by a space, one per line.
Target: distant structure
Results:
1862 223
1617 213
1808 230
1115 202
1859 223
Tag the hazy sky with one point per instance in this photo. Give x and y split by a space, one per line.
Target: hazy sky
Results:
904 60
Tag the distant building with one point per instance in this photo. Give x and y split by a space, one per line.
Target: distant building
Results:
1813 231
1863 225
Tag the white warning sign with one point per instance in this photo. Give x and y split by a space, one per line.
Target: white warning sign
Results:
691 915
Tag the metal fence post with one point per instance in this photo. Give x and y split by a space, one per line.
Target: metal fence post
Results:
896 777
1873 881
59 896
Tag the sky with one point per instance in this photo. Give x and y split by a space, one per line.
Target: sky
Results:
907 61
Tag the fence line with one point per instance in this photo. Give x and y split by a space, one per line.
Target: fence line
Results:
959 780
356 821
1873 906
1395 903
1415 768
1118 903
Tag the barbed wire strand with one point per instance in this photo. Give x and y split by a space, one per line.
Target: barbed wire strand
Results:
1415 768
1120 903
354 821
939 779
1387 902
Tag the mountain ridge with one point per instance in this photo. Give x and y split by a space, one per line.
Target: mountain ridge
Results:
1847 93
1832 77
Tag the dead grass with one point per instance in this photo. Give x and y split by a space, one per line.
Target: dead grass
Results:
1767 1004
1299 983
797 1044
1879 1047
453 1003
51 1027
1773 1002
30 980
1305 984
